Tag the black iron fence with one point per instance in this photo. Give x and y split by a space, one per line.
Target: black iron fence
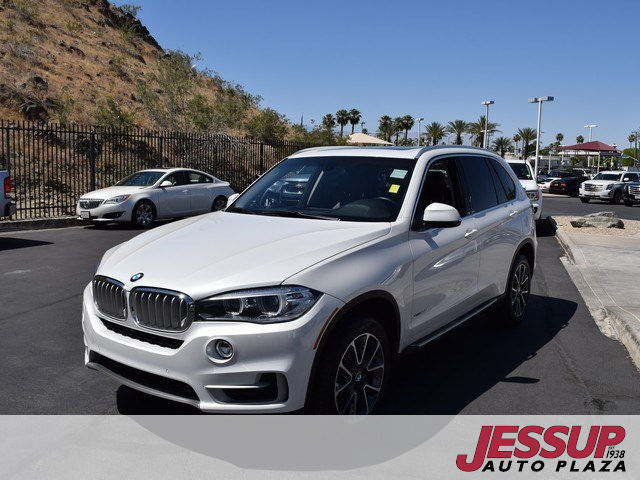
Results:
52 165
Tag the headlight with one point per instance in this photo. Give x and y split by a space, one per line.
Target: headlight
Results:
260 305
118 199
609 187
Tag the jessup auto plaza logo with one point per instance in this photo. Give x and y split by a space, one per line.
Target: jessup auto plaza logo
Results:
533 448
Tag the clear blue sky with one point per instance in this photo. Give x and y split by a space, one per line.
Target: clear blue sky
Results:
433 59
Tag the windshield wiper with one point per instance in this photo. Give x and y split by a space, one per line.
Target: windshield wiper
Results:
296 214
240 210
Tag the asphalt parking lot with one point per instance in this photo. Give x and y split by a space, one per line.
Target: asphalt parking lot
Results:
557 362
560 205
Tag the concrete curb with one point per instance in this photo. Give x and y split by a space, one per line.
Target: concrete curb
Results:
612 320
39 224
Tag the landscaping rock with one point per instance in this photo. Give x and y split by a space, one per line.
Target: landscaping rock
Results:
597 220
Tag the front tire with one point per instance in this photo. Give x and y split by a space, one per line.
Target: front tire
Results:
617 197
144 214
353 369
514 303
219 203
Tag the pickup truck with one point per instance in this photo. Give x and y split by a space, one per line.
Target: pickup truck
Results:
7 207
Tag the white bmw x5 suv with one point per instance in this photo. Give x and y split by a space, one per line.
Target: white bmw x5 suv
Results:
306 288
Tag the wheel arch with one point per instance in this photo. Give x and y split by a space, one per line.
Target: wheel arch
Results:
146 199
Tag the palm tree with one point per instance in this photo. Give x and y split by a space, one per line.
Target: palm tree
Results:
631 138
476 130
579 139
435 132
407 124
342 117
516 141
397 127
385 127
354 118
527 135
328 121
501 145
559 138
457 128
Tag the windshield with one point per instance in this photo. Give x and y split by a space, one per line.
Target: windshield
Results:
140 179
608 176
522 171
364 189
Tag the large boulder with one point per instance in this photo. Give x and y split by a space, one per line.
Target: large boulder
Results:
597 220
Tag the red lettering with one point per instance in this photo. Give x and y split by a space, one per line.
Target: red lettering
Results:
481 450
525 439
572 444
553 441
497 441
606 440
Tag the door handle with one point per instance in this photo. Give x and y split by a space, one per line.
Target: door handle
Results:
471 232
512 213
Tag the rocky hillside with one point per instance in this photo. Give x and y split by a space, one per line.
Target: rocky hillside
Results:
88 61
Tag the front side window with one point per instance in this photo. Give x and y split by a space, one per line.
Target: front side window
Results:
141 179
522 171
630 177
441 185
177 178
479 191
366 189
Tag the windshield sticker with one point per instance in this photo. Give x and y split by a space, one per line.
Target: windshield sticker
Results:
394 188
398 173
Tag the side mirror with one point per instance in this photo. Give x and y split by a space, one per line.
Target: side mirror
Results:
166 184
440 215
232 198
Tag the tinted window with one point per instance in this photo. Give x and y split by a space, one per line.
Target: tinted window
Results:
480 193
497 184
177 178
505 179
195 177
441 185
630 177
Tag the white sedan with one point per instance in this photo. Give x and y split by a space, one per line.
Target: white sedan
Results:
149 195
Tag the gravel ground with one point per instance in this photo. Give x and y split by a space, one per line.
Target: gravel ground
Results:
631 228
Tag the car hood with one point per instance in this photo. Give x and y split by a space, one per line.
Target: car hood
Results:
529 185
222 251
108 192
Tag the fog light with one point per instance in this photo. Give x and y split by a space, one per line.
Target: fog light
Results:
219 350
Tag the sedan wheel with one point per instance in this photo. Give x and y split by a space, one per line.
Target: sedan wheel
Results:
143 215
219 203
520 286
359 377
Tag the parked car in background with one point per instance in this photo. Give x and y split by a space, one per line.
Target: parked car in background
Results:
524 172
7 206
544 183
566 185
271 306
631 193
607 186
148 195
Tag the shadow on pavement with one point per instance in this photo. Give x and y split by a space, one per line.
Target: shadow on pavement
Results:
446 375
451 372
10 243
545 228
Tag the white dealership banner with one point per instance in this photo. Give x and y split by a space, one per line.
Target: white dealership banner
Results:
297 446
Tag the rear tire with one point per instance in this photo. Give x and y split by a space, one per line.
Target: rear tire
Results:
352 370
585 200
513 306
144 214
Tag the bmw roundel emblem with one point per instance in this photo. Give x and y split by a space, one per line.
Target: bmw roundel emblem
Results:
136 276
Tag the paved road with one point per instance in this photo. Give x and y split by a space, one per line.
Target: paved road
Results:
556 363
560 205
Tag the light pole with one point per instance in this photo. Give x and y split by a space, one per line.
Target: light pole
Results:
419 120
590 127
486 103
539 101
362 126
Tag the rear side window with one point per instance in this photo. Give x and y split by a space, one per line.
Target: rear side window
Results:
479 192
497 184
505 179
195 177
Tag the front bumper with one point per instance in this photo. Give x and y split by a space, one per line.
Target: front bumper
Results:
597 194
285 351
110 212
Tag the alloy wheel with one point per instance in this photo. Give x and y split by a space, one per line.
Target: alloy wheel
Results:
219 203
520 284
359 377
144 214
